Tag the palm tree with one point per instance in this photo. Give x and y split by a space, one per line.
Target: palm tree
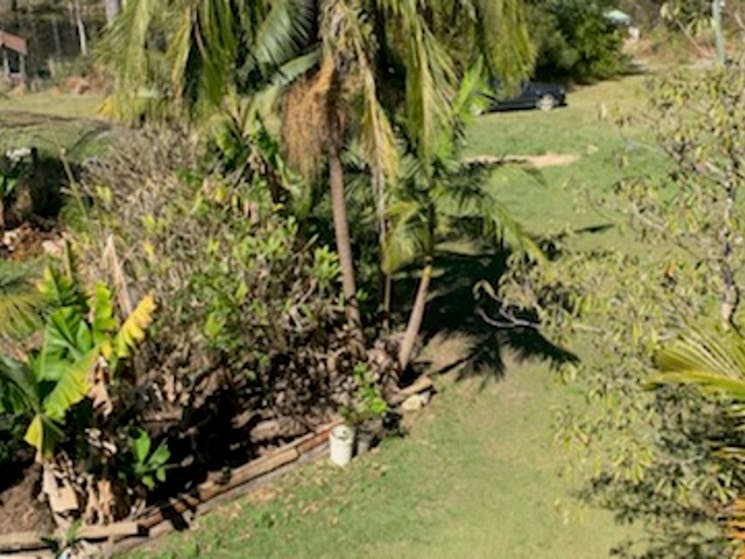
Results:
441 202
335 58
713 363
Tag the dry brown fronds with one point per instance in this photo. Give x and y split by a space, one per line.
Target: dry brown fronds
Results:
313 116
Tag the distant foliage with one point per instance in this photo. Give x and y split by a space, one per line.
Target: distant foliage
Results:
665 465
575 40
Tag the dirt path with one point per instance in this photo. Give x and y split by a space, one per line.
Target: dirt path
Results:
538 161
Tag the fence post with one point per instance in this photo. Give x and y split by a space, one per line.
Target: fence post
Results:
6 64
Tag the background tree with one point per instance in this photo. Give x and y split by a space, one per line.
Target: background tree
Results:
575 40
618 306
362 52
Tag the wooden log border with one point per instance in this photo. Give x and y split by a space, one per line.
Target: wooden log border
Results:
168 516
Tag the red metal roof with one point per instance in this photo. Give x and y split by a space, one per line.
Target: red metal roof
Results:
13 42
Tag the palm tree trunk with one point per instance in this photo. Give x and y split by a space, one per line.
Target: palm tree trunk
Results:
387 280
343 241
420 303
416 317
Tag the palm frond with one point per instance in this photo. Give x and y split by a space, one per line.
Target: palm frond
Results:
279 36
20 302
714 363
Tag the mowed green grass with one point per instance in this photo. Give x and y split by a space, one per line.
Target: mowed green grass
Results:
53 124
478 476
584 129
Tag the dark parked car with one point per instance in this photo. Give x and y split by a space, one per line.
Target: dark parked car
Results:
532 95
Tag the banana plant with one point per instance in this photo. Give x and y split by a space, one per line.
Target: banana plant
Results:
80 333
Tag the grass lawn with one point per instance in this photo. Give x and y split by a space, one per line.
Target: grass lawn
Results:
53 123
478 476
574 130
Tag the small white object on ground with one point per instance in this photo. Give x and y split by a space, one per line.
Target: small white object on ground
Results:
341 444
416 402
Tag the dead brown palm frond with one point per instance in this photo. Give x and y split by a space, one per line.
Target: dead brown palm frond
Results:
312 108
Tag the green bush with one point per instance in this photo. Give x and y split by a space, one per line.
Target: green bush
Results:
575 41
249 301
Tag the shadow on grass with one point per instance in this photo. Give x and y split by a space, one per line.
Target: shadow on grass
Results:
454 311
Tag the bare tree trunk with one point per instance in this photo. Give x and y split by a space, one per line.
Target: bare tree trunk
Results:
112 7
416 317
55 35
420 302
730 288
716 15
343 241
387 280
80 24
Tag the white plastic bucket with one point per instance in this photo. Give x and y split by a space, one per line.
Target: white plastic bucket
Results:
341 444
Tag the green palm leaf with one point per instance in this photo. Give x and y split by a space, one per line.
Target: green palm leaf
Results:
20 302
712 363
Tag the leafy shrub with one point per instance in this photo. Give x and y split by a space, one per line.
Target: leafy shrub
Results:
575 40
368 402
252 303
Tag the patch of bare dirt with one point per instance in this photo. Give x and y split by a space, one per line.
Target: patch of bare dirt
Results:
27 242
20 509
538 161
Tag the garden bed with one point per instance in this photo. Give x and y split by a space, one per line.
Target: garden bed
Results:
18 504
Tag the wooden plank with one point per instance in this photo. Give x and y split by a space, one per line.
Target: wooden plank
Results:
22 541
32 555
259 469
253 470
126 544
27 541
117 529
211 489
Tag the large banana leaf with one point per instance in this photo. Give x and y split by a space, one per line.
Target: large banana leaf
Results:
44 431
133 330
